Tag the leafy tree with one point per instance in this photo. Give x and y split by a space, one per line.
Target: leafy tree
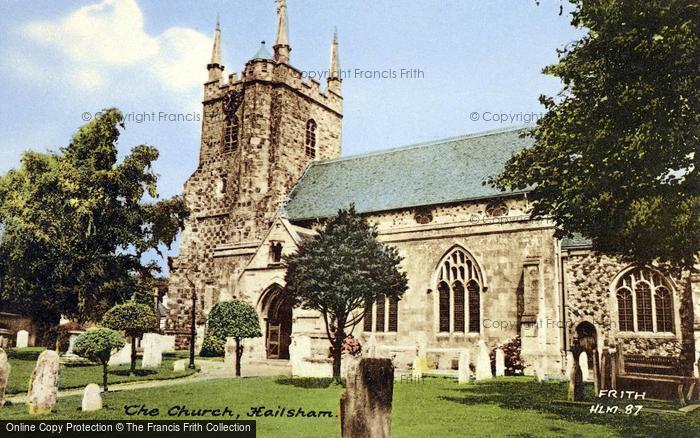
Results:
134 319
340 271
616 155
234 319
96 345
75 225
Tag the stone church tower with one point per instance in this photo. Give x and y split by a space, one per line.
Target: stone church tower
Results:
259 132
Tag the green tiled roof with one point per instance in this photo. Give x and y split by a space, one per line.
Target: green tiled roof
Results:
439 172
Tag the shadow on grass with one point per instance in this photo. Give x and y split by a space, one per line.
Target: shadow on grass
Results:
138 372
306 382
527 394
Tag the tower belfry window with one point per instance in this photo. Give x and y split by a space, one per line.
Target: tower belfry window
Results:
231 134
311 138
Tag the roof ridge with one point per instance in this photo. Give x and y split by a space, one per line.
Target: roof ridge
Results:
422 144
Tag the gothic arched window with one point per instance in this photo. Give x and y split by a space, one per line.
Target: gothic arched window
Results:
231 134
459 308
644 302
386 315
311 138
624 308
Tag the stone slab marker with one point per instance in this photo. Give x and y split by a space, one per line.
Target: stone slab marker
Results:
22 339
152 353
92 400
575 390
483 362
4 375
583 363
500 363
365 406
43 385
464 372
179 365
230 354
569 364
121 357
417 369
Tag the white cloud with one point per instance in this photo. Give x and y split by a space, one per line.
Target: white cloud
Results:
102 41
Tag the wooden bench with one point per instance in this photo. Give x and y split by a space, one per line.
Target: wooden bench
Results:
658 376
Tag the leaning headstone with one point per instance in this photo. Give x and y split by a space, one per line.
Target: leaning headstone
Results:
500 363
483 362
365 406
583 363
463 371
4 375
575 390
92 400
152 354
43 385
22 339
121 357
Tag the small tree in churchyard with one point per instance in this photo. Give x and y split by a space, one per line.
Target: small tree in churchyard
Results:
134 319
96 345
340 271
234 319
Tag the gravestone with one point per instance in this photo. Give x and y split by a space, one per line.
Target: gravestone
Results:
43 385
121 357
483 362
463 371
22 339
417 369
575 390
299 352
92 400
152 353
583 363
500 363
569 363
605 370
4 375
365 406
230 354
180 365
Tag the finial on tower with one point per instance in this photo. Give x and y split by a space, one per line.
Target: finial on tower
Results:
281 46
334 78
215 67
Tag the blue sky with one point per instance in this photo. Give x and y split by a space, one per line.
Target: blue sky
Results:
59 60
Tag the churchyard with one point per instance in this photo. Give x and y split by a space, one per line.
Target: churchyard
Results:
79 374
435 406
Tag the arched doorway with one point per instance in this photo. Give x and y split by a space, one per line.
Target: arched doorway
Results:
278 326
586 339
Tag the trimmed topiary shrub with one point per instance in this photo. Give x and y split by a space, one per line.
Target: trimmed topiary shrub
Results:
96 345
134 319
212 346
234 319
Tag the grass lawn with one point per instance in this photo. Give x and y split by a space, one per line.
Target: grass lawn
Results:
437 407
77 376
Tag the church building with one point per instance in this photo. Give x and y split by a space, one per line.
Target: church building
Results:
479 266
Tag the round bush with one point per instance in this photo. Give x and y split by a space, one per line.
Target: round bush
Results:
97 344
132 318
212 346
233 319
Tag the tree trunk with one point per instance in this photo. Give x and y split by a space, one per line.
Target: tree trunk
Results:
337 353
239 354
132 370
104 375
